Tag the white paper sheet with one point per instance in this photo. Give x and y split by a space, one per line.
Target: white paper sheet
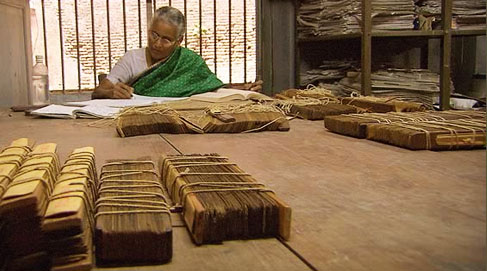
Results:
136 100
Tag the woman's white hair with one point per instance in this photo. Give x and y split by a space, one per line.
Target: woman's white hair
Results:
172 16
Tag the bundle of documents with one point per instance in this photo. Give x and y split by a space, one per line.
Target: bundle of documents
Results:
326 17
333 17
329 71
416 85
22 209
428 7
68 221
467 14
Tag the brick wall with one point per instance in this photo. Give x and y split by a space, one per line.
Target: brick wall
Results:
117 44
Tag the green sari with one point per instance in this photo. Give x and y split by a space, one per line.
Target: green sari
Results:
184 74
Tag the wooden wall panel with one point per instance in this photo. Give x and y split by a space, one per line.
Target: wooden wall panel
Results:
15 53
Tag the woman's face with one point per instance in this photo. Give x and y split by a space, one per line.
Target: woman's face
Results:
162 39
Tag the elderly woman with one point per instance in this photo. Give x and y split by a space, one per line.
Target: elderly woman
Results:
163 68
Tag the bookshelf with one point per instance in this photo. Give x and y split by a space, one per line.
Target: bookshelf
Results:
367 35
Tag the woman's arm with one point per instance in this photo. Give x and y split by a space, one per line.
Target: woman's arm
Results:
255 86
108 90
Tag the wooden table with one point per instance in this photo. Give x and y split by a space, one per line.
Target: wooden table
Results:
357 204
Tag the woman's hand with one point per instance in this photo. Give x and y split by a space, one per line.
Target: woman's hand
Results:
108 90
122 91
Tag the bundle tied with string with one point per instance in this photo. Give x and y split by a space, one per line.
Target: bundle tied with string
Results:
431 135
69 222
313 109
356 125
132 218
222 202
28 194
153 119
311 91
313 103
382 105
243 118
11 159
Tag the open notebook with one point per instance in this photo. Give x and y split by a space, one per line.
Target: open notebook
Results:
229 94
136 100
73 112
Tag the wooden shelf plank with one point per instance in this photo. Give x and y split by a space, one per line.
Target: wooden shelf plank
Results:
331 37
469 32
407 33
380 34
399 33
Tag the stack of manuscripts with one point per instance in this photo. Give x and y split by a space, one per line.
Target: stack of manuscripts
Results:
68 222
467 14
222 202
242 118
333 17
328 71
132 218
443 130
420 86
431 135
28 194
429 14
311 104
219 118
373 104
152 120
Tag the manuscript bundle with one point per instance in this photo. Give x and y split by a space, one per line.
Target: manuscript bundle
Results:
311 104
222 118
383 105
431 135
150 120
222 202
68 222
28 194
11 159
133 223
443 130
243 118
356 124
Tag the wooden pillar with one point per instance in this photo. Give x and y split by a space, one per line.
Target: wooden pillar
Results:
276 63
148 12
366 47
445 67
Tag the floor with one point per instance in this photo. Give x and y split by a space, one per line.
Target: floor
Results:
357 204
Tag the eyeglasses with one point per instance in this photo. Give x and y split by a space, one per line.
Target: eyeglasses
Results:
164 41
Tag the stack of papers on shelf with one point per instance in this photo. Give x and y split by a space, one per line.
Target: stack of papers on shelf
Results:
392 15
428 7
329 71
327 17
469 14
333 17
